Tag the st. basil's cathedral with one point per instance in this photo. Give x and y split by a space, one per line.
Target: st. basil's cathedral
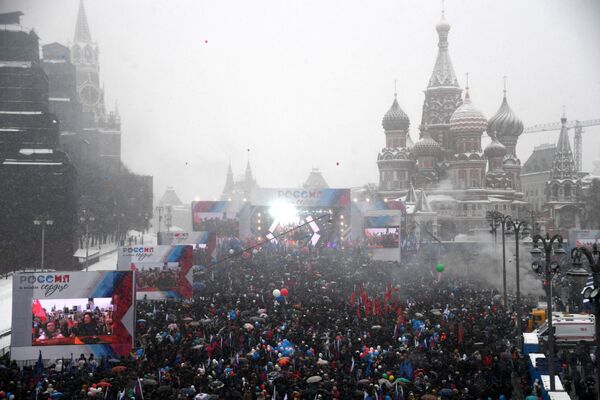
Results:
447 180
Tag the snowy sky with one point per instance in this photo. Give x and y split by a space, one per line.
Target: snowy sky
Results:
305 84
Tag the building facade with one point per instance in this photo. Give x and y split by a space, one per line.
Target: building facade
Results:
38 178
77 96
462 180
535 174
117 198
240 189
563 209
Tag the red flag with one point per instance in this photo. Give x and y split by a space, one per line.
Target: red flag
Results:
38 311
388 293
358 311
460 333
399 314
364 297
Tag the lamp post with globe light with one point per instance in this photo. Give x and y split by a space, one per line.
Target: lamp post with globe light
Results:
579 274
517 227
497 219
551 246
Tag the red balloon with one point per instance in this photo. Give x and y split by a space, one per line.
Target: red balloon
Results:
246 254
284 292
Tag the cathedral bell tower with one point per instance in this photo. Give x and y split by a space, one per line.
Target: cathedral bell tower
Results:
443 94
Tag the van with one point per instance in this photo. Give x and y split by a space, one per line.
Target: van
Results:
569 328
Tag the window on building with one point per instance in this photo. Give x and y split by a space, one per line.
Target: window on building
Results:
461 178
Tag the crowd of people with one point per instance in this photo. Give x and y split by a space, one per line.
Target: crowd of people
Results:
69 323
158 278
343 328
381 238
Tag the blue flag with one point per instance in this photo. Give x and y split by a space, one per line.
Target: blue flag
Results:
39 365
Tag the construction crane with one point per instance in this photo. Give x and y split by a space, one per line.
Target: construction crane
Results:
577 140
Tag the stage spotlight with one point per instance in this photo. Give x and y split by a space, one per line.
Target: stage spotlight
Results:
284 213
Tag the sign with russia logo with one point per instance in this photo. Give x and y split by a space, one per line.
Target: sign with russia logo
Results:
64 313
163 271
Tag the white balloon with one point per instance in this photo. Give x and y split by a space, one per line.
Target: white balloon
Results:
276 293
231 251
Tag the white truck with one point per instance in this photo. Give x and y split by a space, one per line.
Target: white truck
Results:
569 328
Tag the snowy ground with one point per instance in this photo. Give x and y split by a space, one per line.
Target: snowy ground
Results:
107 262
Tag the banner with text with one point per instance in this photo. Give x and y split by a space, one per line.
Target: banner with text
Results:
326 198
162 271
65 313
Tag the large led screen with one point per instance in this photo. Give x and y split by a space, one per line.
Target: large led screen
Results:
64 313
163 272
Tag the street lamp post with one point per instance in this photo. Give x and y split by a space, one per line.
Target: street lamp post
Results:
550 268
159 209
497 219
517 227
43 222
86 219
590 293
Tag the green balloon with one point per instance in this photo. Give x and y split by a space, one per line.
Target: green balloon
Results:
384 375
439 267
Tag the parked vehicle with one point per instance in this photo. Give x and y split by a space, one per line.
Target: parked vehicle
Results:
569 328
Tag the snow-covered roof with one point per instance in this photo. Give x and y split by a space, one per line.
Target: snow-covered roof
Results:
21 112
29 162
15 64
14 28
80 253
29 152
440 197
498 200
